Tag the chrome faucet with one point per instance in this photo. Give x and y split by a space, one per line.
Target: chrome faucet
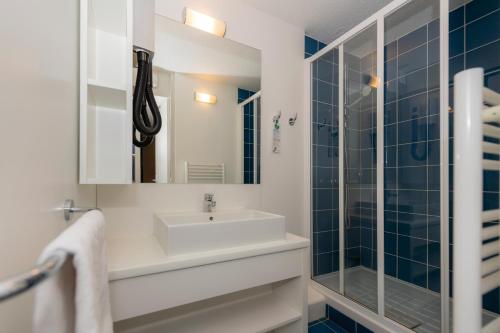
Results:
210 202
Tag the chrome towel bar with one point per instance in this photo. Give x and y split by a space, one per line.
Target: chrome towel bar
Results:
13 286
16 285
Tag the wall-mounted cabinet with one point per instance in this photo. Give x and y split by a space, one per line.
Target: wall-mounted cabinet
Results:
106 91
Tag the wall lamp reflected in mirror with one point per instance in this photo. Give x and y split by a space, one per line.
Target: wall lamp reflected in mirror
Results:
204 22
205 98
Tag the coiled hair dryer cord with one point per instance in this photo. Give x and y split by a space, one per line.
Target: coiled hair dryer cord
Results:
147 124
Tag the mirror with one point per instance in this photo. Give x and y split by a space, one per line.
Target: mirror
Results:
208 92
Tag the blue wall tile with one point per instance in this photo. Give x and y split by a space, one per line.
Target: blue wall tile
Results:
390 219
493 81
412 40
325 92
417 103
323 242
319 328
390 70
456 42
342 320
324 220
324 263
339 322
412 61
412 131
433 29
434 253
456 19
483 57
311 45
248 135
478 8
242 95
434 279
412 248
390 91
390 243
411 107
433 102
412 84
390 264
325 70
456 64
433 51
412 272
491 300
483 31
325 162
433 77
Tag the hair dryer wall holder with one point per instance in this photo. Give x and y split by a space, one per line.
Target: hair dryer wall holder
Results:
141 49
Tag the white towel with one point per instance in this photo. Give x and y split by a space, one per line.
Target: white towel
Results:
76 299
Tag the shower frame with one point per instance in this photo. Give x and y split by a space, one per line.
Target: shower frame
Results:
339 300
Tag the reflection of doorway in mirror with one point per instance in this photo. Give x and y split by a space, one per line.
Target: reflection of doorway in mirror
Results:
162 142
249 135
152 162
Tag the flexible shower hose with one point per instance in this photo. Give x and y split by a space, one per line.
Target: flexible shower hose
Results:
147 126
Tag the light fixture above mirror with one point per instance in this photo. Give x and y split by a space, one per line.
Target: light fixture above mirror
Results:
204 22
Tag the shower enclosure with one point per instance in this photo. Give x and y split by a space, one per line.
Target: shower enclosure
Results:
379 166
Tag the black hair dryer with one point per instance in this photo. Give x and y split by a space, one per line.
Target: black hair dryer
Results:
146 121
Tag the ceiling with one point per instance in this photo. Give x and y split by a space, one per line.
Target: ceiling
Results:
324 20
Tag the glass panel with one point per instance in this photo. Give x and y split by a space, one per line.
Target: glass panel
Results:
360 178
412 166
325 170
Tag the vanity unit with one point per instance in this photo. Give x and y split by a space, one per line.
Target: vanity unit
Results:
253 282
226 271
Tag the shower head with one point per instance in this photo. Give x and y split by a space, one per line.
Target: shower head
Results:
374 81
370 82
366 90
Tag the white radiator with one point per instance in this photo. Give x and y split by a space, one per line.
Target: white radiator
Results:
204 173
476 246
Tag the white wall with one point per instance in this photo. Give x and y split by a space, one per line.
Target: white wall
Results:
39 135
205 133
281 190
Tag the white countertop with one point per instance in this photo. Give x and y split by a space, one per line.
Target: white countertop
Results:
135 256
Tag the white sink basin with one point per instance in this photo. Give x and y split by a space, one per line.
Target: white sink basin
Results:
184 233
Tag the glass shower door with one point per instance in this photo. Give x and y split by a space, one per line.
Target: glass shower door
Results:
412 166
360 84
325 170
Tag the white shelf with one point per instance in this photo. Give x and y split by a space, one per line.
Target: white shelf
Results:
106 85
106 96
254 315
